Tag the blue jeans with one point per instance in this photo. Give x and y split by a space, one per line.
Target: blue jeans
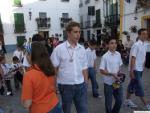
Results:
1 111
76 93
57 109
92 76
109 92
136 85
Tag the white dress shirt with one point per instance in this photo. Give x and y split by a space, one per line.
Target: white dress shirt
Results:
91 57
138 50
70 62
110 62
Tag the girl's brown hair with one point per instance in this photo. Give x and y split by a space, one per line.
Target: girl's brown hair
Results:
40 57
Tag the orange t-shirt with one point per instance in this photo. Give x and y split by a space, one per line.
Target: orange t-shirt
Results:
40 89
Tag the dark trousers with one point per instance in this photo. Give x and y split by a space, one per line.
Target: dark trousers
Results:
92 76
8 85
18 77
109 92
2 90
74 93
147 62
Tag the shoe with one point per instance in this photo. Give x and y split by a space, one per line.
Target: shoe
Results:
148 107
97 96
9 93
130 104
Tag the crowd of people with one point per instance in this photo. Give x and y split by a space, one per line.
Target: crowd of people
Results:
47 68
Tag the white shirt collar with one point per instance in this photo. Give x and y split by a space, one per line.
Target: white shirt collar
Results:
140 42
109 52
69 45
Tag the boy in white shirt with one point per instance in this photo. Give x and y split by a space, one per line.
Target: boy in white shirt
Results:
109 68
136 67
91 57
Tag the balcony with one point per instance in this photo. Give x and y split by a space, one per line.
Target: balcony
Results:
19 28
88 24
112 20
43 23
65 20
97 24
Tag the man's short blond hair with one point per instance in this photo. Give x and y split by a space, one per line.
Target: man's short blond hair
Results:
71 25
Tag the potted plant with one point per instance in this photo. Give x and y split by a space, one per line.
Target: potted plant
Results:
133 29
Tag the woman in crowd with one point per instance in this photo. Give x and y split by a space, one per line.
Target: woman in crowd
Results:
39 84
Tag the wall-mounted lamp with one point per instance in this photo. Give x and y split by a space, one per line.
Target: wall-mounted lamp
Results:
30 14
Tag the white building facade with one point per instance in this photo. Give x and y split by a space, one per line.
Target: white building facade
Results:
23 18
91 18
136 14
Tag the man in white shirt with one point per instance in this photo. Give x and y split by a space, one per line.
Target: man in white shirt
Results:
128 44
70 62
109 68
136 66
91 57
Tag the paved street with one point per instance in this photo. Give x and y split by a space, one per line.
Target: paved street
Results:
12 104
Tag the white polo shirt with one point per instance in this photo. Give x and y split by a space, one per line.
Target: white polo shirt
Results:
91 57
147 44
138 50
69 72
110 62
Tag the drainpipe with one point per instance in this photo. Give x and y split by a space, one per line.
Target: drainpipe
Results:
121 16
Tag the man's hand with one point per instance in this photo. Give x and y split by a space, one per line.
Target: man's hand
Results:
132 76
115 75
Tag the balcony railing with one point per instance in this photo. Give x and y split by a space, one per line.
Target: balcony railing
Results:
43 23
90 24
40 20
96 24
112 20
65 20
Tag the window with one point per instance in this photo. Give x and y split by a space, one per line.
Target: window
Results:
42 15
98 16
20 40
1 27
81 3
19 23
87 1
91 10
65 0
65 15
17 3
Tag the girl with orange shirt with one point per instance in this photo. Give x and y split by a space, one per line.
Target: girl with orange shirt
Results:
39 83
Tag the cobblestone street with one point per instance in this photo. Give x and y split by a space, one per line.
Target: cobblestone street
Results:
12 104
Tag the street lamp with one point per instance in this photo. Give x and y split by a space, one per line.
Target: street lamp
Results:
30 14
